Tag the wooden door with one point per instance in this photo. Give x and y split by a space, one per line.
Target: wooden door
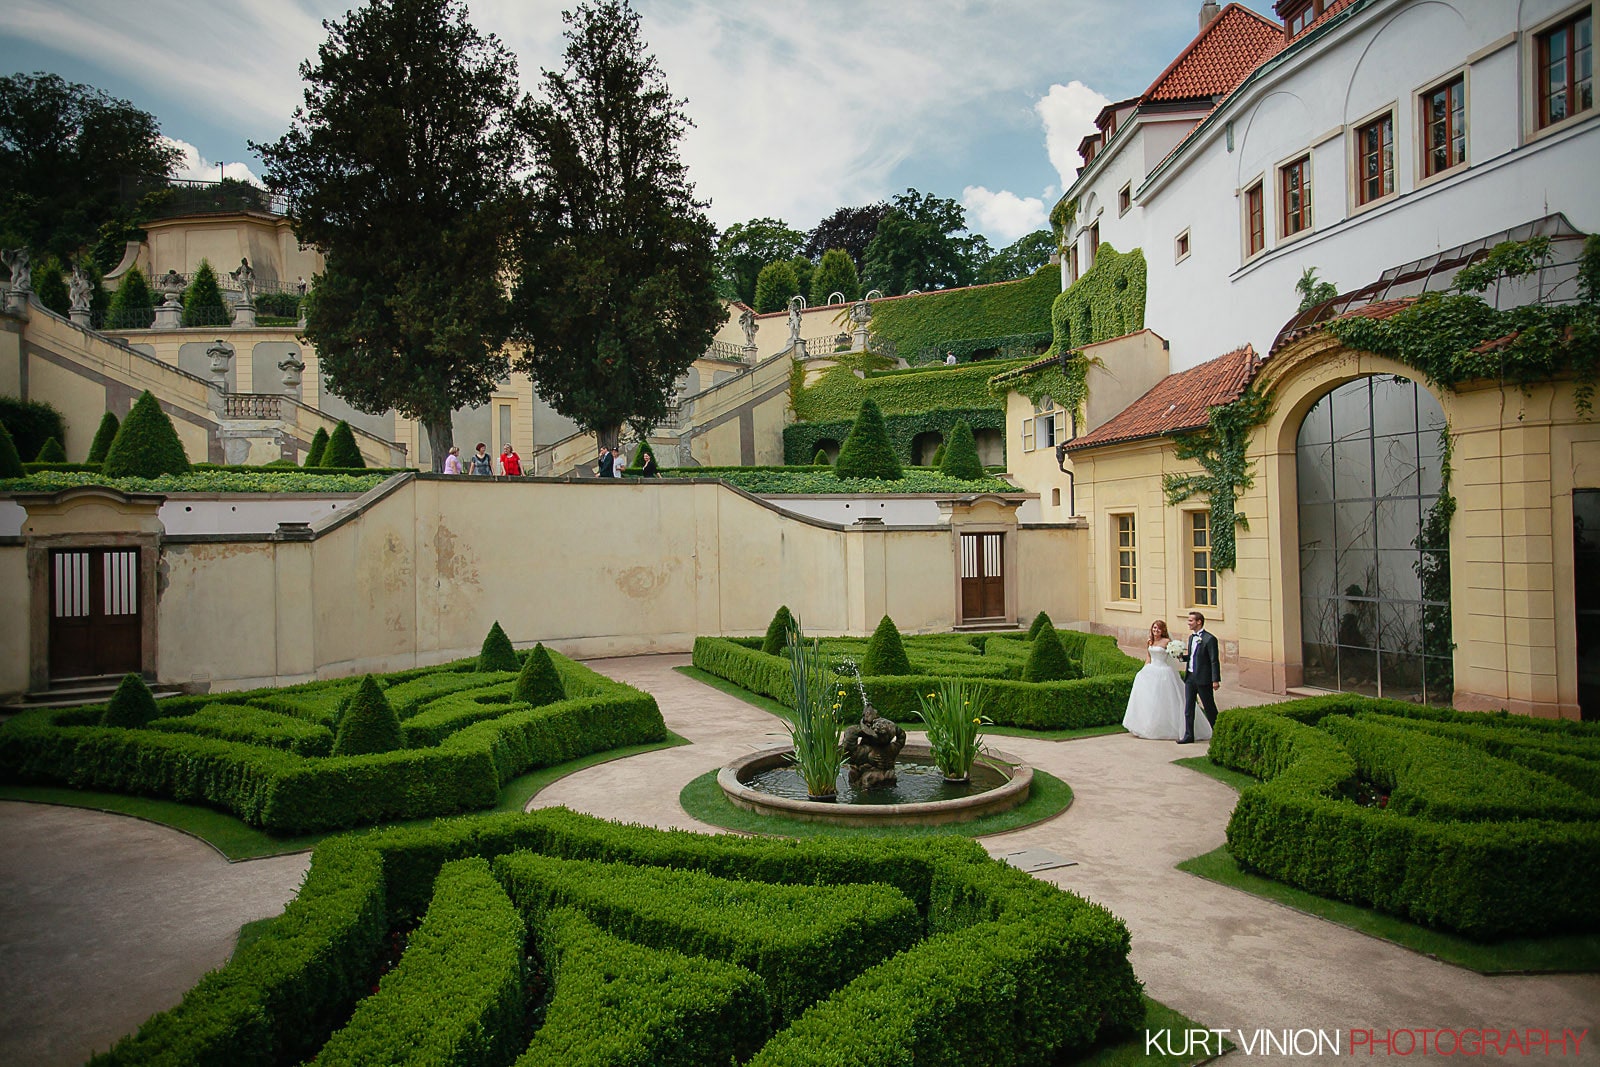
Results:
94 612
983 583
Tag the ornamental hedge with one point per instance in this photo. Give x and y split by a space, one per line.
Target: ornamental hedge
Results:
660 947
1488 825
1096 694
801 439
31 423
146 444
912 323
837 395
463 736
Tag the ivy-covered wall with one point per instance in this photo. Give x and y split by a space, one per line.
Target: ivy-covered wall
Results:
800 440
1106 301
838 393
913 323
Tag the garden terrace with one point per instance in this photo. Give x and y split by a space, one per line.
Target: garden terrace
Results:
263 755
1484 824
694 949
1096 694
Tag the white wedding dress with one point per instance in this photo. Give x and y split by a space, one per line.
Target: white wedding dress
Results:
1155 707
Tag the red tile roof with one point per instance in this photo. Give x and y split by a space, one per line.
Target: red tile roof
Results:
1220 57
1179 402
1333 8
1314 319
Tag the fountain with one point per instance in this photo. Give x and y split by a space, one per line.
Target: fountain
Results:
884 781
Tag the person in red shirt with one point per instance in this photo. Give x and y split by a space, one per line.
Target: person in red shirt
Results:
510 463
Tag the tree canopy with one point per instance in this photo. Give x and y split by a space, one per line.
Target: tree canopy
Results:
399 166
921 243
849 228
747 247
64 152
617 293
1020 258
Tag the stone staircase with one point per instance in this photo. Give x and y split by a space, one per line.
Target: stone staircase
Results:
71 692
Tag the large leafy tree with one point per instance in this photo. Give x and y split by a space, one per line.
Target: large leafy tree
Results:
399 167
849 228
618 286
922 244
747 247
65 150
1020 258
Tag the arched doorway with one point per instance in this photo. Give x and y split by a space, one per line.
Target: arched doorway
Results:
924 445
1374 557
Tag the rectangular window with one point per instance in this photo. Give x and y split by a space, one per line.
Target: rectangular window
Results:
1375 159
1566 70
1180 247
1027 435
1255 220
1295 196
1203 580
1444 124
1072 264
1127 559
1094 243
1124 199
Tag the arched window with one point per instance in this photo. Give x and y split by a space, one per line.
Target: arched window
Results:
1374 562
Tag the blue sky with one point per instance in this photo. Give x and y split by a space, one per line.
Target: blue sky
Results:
799 107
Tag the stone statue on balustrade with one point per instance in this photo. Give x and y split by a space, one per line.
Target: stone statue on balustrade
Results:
747 323
21 269
79 287
244 276
797 304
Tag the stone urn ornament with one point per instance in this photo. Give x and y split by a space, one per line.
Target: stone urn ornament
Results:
292 369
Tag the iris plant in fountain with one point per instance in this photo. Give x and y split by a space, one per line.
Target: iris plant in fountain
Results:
953 713
813 723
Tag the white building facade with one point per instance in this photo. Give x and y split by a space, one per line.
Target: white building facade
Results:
1381 132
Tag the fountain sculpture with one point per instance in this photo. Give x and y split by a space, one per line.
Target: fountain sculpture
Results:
870 746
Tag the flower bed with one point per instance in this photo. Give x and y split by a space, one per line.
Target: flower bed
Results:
457 758
986 965
1490 826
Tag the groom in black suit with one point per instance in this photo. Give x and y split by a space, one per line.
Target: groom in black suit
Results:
1205 675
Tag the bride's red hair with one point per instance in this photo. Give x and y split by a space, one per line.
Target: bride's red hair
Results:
1161 624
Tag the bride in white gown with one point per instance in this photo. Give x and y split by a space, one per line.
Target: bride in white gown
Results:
1155 707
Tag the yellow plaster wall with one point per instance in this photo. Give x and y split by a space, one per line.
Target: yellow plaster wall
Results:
10 356
14 635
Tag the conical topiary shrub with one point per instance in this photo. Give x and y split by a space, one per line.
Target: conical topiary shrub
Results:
368 724
866 453
319 448
938 457
960 458
202 301
1047 660
342 450
886 653
103 438
497 653
539 684
10 462
1041 622
821 458
775 641
146 445
132 305
52 452
132 705
50 288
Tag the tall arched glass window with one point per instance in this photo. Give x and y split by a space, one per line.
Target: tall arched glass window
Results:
1374 558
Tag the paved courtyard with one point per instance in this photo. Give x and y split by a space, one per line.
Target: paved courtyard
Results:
105 919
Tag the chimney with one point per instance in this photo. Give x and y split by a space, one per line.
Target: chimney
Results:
1208 11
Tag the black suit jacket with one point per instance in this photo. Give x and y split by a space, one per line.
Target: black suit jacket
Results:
1208 667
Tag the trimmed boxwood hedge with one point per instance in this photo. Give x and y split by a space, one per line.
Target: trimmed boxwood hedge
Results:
993 965
800 439
913 323
1495 866
254 726
1099 698
456 996
467 761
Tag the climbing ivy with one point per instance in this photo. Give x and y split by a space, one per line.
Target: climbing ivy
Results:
932 320
1106 301
838 393
1061 217
1220 451
1066 381
1456 336
801 439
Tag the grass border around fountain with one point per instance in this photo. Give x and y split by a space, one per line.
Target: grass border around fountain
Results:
704 799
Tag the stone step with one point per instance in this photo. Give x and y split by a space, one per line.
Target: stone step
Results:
72 692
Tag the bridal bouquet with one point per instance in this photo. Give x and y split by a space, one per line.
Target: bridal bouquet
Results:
1179 651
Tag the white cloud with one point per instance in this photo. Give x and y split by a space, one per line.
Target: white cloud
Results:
195 167
1068 113
1003 216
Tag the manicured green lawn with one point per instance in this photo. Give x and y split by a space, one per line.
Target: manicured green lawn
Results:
772 707
704 799
1521 955
237 841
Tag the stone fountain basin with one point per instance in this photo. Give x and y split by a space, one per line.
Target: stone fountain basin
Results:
1019 781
